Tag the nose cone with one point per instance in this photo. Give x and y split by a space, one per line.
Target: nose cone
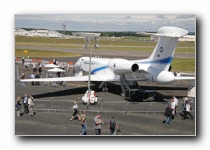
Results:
77 66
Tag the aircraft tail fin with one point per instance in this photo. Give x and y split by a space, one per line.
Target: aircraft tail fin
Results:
163 53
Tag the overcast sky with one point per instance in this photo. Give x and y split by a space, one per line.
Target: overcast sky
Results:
105 22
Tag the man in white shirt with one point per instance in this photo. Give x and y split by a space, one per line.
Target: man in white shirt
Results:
188 110
176 104
30 105
25 103
34 67
26 65
173 105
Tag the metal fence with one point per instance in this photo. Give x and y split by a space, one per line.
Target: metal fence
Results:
106 106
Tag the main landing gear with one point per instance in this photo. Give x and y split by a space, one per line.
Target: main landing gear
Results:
104 87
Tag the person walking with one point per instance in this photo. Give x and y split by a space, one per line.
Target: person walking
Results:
168 113
32 77
34 67
113 126
18 106
188 110
23 60
176 104
97 124
40 69
184 105
25 103
30 105
83 123
173 105
75 112
37 77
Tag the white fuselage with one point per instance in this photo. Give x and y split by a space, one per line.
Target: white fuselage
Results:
132 70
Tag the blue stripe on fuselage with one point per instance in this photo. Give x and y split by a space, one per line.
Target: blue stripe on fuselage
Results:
98 69
161 61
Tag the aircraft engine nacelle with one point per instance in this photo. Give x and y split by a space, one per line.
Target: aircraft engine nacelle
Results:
164 77
122 66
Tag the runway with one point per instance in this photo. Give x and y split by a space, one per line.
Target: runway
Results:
102 52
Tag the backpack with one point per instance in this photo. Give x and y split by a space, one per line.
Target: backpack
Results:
18 106
112 124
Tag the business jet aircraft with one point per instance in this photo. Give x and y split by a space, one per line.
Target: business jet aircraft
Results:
155 68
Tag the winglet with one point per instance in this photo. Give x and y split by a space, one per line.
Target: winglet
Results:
167 32
171 32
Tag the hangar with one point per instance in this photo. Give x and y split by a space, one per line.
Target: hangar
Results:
38 33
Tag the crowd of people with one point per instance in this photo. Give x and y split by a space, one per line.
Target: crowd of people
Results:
113 127
37 70
27 101
36 73
171 110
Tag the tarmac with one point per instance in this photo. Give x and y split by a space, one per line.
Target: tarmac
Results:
140 123
58 124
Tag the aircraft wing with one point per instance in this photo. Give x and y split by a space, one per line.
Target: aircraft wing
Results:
184 78
94 77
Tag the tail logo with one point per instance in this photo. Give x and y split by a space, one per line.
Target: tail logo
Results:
161 49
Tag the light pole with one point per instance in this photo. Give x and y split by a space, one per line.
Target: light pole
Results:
88 45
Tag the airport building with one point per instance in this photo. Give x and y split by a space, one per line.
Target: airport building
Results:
38 33
20 32
187 38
